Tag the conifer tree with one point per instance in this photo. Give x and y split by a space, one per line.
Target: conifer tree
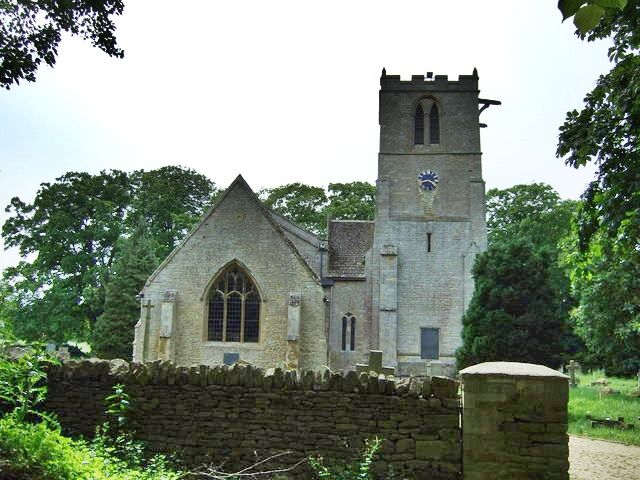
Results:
513 315
114 329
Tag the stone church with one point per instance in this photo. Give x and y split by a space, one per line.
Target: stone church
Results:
249 285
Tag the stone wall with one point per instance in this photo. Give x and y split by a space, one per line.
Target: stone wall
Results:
515 422
241 414
514 416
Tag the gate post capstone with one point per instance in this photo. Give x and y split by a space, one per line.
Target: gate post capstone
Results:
514 422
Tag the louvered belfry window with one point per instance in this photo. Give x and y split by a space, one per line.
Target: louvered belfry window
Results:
418 124
234 308
434 125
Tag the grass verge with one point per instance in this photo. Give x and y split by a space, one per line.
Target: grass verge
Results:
586 399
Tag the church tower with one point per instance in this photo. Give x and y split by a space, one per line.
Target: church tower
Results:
430 218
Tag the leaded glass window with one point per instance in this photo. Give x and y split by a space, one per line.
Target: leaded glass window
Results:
234 308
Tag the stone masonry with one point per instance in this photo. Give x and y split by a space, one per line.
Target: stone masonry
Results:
404 278
514 416
241 414
515 422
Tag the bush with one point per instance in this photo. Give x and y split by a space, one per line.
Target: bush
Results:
39 451
23 383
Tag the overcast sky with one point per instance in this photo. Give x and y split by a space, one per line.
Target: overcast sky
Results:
285 91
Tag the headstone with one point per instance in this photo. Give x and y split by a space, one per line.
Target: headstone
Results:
229 358
50 348
375 364
63 353
572 369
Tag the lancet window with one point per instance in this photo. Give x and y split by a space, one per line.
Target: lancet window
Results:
434 125
348 332
418 125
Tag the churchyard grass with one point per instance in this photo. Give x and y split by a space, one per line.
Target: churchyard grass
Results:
586 399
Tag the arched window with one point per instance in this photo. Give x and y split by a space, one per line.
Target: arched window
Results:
344 333
348 332
234 308
418 125
353 333
434 125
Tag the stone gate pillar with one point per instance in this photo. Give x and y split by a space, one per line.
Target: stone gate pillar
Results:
514 422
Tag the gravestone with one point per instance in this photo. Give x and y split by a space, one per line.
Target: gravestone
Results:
375 364
572 369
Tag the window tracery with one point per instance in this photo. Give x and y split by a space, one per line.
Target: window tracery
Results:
234 308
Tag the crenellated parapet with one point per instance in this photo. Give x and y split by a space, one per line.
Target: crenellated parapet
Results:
428 82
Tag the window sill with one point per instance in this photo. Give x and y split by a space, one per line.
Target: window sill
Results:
246 345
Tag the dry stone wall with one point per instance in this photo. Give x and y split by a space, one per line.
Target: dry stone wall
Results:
241 414
515 422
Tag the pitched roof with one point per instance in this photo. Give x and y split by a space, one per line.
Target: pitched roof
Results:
239 181
349 241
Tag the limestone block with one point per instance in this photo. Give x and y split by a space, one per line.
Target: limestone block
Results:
431 449
443 387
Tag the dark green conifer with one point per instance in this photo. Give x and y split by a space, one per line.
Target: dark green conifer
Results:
114 329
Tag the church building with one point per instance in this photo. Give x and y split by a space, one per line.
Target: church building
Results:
249 285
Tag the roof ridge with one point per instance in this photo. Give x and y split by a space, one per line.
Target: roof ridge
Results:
239 180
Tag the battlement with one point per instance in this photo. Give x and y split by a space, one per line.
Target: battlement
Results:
429 82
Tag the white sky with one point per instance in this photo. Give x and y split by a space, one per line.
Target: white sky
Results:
285 91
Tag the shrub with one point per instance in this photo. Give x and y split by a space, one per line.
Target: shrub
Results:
23 383
360 470
40 451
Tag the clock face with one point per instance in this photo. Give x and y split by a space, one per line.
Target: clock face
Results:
428 180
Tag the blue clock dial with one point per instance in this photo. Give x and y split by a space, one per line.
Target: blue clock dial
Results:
428 180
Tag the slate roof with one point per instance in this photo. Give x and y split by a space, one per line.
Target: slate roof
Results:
349 241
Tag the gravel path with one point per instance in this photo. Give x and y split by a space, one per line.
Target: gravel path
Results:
599 460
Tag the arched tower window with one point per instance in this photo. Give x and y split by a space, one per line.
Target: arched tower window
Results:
234 308
434 125
348 332
418 125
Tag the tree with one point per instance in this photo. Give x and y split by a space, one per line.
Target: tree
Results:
606 131
526 221
67 238
534 211
171 200
30 32
513 314
303 204
69 232
135 261
588 13
309 206
607 286
351 201
8 310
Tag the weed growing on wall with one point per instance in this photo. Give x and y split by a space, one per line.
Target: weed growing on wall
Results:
360 470
23 385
